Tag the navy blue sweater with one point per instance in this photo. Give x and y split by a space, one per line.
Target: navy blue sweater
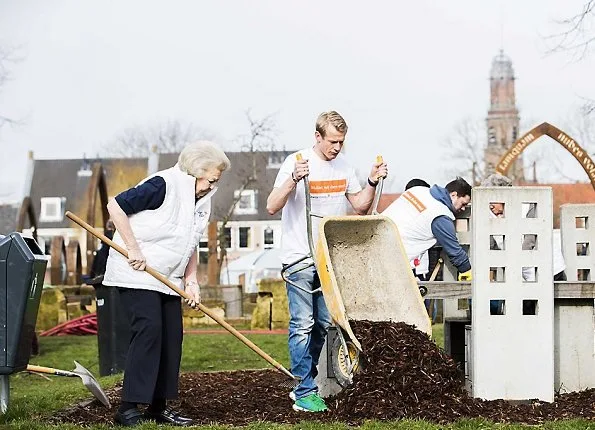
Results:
147 196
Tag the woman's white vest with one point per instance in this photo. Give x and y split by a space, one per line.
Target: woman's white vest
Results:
167 236
413 213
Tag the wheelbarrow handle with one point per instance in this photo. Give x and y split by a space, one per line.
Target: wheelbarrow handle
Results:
286 273
299 157
185 295
378 192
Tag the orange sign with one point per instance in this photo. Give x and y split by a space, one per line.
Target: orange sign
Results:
326 187
414 201
555 133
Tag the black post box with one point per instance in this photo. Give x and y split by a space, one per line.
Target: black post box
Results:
113 330
22 270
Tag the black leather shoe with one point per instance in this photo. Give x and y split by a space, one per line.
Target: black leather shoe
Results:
129 417
168 416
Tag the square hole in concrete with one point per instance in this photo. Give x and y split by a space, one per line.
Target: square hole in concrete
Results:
462 224
462 304
582 222
529 242
530 307
582 248
497 274
497 208
529 210
529 274
497 307
497 242
583 274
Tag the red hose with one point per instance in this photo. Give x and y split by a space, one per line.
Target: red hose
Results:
81 326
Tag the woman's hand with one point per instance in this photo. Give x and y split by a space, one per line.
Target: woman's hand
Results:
136 259
193 290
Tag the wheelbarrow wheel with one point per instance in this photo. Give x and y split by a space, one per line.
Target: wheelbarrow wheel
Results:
340 364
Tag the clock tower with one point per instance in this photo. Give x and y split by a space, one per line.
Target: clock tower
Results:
503 118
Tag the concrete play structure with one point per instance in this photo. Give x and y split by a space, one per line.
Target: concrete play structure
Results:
524 337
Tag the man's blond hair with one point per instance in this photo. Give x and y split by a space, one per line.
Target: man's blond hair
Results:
330 118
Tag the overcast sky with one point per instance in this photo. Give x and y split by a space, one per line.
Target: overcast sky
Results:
402 73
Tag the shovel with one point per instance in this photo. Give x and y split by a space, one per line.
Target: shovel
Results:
154 273
88 379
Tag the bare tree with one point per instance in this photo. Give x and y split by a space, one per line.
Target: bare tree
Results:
260 139
577 33
169 137
465 149
576 37
580 125
8 57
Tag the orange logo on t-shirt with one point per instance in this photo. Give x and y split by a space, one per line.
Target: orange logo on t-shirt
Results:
414 201
326 187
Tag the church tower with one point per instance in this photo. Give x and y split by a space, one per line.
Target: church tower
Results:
503 117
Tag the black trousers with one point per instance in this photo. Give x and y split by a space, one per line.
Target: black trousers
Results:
153 360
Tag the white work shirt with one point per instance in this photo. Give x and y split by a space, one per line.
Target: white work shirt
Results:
330 181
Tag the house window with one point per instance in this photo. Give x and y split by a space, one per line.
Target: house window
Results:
226 239
52 209
276 160
269 237
245 237
246 202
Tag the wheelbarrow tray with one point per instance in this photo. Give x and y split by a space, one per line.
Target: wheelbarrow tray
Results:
365 274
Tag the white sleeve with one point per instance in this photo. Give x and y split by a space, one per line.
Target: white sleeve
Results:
353 185
285 170
528 274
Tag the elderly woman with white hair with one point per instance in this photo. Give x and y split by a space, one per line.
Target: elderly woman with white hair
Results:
160 222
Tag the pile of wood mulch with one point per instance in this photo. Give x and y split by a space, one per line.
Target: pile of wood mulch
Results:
404 375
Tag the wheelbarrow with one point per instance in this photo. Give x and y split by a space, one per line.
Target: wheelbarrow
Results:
364 275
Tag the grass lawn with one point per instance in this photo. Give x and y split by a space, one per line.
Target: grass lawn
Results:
33 397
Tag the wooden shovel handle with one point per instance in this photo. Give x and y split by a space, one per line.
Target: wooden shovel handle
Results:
182 293
49 370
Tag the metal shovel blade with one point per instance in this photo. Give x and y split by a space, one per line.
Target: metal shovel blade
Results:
91 383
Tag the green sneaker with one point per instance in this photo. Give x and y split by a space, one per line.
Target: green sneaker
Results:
311 403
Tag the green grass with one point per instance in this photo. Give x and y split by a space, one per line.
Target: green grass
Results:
34 397
224 352
438 334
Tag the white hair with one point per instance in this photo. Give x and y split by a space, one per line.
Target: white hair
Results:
198 157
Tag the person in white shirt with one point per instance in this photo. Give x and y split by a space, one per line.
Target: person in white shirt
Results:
333 184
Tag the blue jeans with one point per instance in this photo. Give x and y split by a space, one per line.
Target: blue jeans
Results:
309 321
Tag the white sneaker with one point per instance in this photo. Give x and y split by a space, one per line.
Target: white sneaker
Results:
292 395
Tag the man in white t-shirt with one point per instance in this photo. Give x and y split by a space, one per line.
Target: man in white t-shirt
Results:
333 184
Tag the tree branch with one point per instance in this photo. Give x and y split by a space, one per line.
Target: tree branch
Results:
7 57
170 137
261 138
577 35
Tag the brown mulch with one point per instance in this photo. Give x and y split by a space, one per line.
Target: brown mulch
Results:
404 375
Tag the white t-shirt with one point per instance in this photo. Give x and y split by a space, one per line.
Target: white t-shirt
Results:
330 181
